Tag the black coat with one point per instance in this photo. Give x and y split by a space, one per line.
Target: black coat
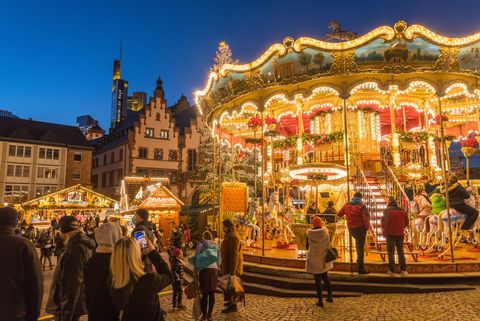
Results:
139 299
457 194
21 280
97 295
67 298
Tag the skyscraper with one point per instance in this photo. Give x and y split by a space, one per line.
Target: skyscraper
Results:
137 100
119 96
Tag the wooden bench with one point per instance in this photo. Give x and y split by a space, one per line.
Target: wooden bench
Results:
384 254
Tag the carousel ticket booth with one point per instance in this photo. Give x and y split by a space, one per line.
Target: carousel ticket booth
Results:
150 194
76 200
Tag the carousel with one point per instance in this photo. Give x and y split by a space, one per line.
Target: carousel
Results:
76 200
310 122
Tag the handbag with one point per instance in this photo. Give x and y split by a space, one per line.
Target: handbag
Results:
332 254
208 256
191 290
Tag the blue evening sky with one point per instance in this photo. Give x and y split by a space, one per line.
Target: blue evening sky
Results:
56 56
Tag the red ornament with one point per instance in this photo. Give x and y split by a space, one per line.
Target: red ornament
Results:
254 122
270 121
470 142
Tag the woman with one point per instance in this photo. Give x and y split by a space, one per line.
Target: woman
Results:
134 292
318 242
208 277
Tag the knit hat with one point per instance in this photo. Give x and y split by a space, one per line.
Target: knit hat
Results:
107 235
143 213
317 221
68 223
8 217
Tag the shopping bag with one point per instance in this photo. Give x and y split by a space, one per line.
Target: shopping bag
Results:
235 289
197 308
223 282
191 290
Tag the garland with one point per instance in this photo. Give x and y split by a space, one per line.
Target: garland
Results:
308 138
412 137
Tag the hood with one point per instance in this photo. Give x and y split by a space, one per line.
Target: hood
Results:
317 230
356 200
210 243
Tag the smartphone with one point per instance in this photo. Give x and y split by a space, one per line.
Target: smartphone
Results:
142 240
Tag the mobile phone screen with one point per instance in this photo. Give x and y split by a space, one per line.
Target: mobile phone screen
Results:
141 239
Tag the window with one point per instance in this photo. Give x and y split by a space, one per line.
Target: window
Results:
172 155
77 157
149 132
44 189
19 151
164 134
104 160
172 176
76 175
40 172
41 153
120 154
158 154
10 170
26 171
157 116
28 151
56 154
16 193
12 150
111 181
192 159
142 172
49 153
18 171
47 172
142 152
95 181
157 173
112 157
104 179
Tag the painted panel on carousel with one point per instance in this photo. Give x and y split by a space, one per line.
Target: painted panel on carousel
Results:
378 53
469 58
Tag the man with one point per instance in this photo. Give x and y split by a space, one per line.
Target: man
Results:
328 216
66 298
394 222
358 223
141 224
457 194
21 280
232 260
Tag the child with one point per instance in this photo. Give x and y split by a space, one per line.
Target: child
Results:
176 265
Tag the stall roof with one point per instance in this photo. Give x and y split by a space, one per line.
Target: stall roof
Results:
161 197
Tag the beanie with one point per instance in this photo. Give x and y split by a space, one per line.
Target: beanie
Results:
8 216
107 235
317 222
143 213
68 223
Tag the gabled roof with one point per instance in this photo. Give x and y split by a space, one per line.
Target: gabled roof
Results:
161 192
30 131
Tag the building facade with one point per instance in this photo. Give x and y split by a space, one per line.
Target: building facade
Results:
151 142
37 158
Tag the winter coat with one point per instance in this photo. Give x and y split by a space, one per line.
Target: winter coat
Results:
318 241
232 257
67 297
438 203
356 214
424 205
209 243
176 266
47 247
457 194
21 279
139 299
394 221
100 306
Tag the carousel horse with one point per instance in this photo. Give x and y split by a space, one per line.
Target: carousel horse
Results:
430 230
251 220
278 226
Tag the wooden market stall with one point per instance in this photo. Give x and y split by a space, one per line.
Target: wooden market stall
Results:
75 200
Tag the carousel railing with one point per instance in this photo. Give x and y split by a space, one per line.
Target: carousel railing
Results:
394 188
369 198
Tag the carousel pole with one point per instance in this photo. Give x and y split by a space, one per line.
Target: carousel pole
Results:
255 169
404 119
445 176
347 166
214 198
220 162
263 187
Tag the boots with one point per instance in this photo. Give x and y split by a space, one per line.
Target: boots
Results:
330 297
320 303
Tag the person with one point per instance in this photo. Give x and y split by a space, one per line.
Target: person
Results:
311 212
66 299
438 202
176 266
187 238
394 222
328 215
99 304
423 203
141 224
232 260
46 249
97 221
457 195
176 238
318 242
358 223
59 245
133 291
208 277
21 280
430 187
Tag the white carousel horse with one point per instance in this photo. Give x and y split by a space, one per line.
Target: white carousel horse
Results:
279 225
431 229
251 219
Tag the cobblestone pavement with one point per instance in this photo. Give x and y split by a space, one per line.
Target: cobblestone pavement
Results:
442 306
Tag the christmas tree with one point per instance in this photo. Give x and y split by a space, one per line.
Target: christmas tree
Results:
223 55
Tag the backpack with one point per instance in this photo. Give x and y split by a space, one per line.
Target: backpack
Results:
208 256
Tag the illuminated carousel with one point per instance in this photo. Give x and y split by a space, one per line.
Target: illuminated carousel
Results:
375 113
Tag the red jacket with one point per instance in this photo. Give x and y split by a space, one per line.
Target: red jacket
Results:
394 221
356 215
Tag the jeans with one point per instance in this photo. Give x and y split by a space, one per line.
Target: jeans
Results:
470 212
208 299
318 284
392 243
359 234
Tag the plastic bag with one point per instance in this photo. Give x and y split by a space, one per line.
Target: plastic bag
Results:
197 308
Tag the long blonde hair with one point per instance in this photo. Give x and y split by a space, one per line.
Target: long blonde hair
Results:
126 262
